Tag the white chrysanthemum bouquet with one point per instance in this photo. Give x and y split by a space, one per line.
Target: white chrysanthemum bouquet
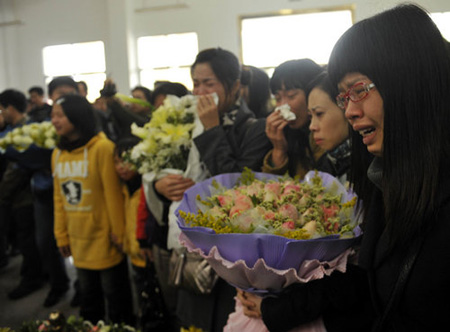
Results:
167 138
41 134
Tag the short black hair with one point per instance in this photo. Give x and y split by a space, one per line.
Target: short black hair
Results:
60 81
169 88
146 91
15 98
36 89
294 74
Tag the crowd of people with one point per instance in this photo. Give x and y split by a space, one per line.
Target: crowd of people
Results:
376 117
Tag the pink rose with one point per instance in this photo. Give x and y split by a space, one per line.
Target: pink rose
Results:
225 200
288 225
291 188
271 191
289 211
241 203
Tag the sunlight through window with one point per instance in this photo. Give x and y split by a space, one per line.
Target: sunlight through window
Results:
269 41
167 58
82 61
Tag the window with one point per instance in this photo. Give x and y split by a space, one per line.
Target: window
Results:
442 21
82 61
166 58
271 40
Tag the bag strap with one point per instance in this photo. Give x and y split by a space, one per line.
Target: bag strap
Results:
394 299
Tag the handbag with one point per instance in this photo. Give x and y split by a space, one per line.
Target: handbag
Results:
191 272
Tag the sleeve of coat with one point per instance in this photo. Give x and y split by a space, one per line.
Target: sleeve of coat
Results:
218 155
142 217
60 220
112 190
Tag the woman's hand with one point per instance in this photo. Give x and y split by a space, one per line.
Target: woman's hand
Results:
65 251
173 186
251 303
207 111
275 124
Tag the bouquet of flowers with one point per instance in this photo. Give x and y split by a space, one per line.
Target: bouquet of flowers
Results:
262 232
41 134
167 137
166 148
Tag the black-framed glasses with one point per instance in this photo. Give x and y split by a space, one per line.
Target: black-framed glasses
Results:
356 93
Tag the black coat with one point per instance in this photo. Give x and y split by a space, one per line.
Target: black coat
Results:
227 149
351 301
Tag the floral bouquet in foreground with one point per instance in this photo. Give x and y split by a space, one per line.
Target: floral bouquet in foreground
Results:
41 134
167 138
262 232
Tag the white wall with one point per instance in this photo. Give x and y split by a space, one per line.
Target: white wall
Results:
119 22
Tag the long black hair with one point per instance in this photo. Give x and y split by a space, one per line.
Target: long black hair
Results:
402 51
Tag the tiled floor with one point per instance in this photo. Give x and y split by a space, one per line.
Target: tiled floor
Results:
13 313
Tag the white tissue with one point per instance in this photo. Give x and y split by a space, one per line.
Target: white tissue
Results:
286 113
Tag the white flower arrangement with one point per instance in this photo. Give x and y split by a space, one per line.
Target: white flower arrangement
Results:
166 138
41 134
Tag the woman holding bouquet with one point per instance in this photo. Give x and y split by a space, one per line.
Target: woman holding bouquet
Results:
292 151
398 102
232 139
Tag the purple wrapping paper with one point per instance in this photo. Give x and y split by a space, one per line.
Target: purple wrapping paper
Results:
278 252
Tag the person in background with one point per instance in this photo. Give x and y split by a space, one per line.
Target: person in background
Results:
255 90
115 119
40 110
232 139
16 200
167 88
397 104
329 127
292 152
82 88
144 94
131 190
89 211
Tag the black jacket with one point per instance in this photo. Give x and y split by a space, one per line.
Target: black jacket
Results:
230 148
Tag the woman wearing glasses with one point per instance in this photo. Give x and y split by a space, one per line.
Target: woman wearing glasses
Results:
397 103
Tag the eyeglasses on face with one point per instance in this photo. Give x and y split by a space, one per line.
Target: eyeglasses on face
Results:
356 93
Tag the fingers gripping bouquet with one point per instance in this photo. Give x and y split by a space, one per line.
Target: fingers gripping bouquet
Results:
262 232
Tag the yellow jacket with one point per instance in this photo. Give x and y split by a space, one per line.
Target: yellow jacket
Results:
89 204
130 243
